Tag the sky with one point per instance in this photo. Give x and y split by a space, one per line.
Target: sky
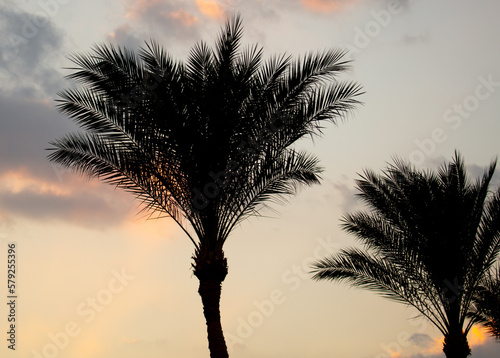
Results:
96 278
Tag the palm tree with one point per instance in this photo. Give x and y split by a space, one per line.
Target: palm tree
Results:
430 238
208 142
486 307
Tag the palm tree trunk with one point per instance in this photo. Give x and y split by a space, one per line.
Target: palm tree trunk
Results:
455 344
210 291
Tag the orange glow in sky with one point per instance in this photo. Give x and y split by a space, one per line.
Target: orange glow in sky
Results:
184 17
476 336
139 7
210 8
323 5
20 180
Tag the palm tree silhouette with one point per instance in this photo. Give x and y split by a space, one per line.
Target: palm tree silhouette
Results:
486 307
208 142
429 239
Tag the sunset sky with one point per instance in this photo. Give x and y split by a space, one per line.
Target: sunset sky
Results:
96 279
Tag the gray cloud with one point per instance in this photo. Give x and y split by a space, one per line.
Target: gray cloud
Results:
474 171
124 36
29 48
27 126
419 355
410 39
29 121
85 207
346 195
405 4
344 191
168 22
421 340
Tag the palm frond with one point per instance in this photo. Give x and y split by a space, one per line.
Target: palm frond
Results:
271 179
366 271
162 129
486 305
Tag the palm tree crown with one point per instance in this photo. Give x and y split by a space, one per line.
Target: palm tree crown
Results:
430 238
207 142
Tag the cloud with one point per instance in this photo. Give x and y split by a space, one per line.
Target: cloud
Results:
230 4
27 127
124 36
31 187
416 39
184 17
89 204
169 14
211 9
325 5
345 195
29 47
169 22
142 9
421 340
405 4
126 340
424 346
474 171
139 8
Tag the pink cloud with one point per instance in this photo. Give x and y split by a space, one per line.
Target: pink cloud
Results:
19 180
211 9
145 9
325 5
72 199
184 17
137 8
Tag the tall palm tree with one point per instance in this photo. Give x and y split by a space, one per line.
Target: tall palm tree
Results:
208 142
429 240
486 307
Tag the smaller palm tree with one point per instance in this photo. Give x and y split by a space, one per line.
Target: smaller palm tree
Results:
486 308
430 239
